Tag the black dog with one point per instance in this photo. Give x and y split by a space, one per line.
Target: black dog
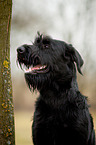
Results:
61 115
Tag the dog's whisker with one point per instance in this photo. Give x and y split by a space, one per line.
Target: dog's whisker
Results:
17 63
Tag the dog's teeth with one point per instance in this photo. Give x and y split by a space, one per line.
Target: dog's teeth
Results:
41 67
30 69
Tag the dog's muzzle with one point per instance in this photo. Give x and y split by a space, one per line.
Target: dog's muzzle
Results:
35 67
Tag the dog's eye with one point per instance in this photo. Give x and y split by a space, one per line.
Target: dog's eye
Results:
46 43
46 46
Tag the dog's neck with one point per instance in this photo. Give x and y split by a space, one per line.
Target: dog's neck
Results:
56 89
61 96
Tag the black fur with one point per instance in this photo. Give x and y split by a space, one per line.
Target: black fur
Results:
61 113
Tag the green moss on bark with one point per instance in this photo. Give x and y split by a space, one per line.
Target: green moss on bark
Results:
7 136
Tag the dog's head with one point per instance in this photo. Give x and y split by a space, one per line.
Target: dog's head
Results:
48 62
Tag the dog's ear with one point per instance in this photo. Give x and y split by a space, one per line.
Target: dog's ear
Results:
75 56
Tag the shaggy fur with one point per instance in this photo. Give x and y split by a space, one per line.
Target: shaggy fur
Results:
61 114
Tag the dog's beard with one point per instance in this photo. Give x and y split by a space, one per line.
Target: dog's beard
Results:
38 80
40 76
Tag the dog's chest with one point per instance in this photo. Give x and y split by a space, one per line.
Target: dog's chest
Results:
61 122
59 115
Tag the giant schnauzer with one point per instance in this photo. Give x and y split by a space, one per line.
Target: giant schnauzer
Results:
61 113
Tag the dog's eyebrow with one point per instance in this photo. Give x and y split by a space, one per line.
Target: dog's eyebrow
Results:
43 39
46 41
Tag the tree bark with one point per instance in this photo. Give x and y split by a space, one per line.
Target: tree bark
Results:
7 133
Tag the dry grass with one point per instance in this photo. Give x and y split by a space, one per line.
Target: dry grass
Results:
23 127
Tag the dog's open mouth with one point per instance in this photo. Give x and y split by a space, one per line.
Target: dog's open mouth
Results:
37 69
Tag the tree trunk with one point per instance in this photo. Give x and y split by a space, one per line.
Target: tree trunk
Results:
7 135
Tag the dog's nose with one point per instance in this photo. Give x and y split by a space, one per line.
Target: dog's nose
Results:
21 50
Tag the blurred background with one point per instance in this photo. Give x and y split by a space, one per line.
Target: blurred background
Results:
73 21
